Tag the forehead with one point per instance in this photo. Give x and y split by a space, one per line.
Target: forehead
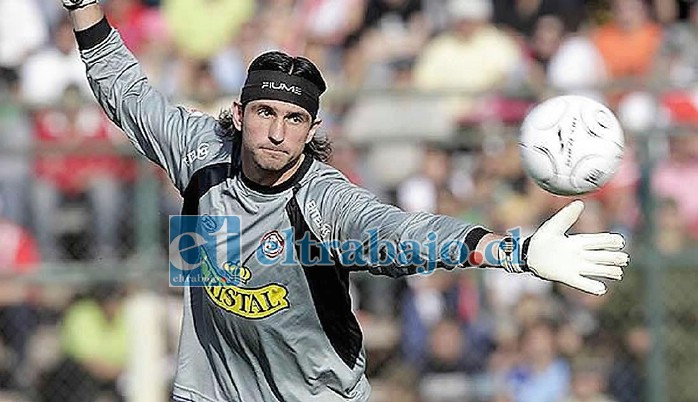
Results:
278 106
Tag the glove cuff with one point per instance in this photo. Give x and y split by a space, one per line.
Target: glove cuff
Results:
513 256
524 254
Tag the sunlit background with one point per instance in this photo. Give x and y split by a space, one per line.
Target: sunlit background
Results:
424 105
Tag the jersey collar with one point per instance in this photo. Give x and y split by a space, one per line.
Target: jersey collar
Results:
281 187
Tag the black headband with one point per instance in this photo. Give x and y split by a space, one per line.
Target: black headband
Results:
277 85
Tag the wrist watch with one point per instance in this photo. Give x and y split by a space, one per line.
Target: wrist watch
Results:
512 255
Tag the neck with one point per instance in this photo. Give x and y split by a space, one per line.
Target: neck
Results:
265 177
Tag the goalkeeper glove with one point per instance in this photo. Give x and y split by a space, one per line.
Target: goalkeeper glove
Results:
75 4
551 254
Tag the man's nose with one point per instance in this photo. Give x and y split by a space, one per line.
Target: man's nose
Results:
276 131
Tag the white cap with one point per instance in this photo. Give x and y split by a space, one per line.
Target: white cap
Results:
478 10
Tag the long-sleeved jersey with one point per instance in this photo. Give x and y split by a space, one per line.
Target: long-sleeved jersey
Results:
287 333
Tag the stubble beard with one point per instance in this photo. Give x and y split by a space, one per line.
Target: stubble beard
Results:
272 163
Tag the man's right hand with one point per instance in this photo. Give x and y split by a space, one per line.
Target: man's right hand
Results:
75 4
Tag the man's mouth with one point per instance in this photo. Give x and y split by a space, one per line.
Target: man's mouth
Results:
278 151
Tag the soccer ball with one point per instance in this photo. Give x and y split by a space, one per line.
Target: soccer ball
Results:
571 145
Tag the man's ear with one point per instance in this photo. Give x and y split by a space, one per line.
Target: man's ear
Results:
237 115
313 129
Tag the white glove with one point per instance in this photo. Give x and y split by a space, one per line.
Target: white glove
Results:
555 256
75 4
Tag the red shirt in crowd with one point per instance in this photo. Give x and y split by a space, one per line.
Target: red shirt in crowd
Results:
19 253
75 150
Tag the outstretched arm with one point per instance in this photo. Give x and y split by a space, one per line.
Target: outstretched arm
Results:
164 133
350 214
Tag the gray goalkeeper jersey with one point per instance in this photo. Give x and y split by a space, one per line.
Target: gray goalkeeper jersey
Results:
285 333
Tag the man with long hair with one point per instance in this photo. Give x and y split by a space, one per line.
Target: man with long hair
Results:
287 332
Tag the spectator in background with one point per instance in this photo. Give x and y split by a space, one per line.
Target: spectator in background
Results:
94 339
16 138
471 56
364 122
676 177
671 11
52 12
229 64
392 31
77 158
437 297
677 60
201 28
546 38
420 193
329 22
22 31
541 376
629 42
46 75
522 16
577 67
502 360
19 256
626 379
278 27
347 158
569 341
449 350
203 92
129 17
451 365
380 14
158 56
588 382
399 383
672 230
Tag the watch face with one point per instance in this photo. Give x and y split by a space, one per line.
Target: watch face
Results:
509 260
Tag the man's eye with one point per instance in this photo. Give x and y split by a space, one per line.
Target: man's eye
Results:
264 112
296 120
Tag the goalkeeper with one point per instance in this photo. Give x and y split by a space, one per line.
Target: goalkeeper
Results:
298 340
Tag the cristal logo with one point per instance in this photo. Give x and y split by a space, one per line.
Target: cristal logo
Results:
257 302
280 86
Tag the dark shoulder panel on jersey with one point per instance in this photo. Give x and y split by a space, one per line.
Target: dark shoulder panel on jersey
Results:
202 181
329 287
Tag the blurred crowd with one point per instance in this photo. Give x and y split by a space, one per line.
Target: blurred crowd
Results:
424 102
